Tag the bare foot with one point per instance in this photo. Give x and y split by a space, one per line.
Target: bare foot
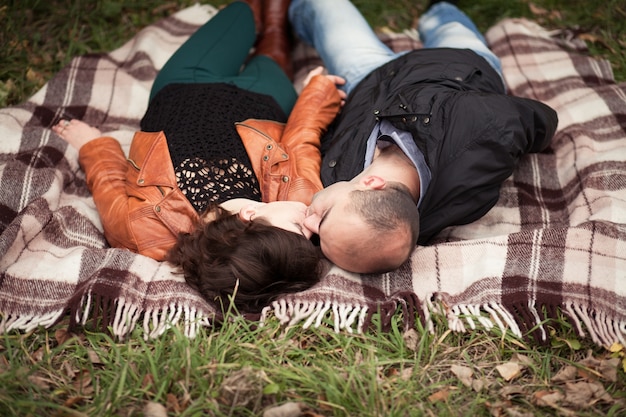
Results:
76 132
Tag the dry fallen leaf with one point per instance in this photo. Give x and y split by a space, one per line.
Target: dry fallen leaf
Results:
242 388
34 76
82 382
509 370
4 364
536 10
540 11
62 335
406 373
441 395
512 391
69 371
93 357
565 374
72 401
523 360
479 384
552 399
40 382
153 409
497 409
608 369
548 398
605 368
589 37
517 412
289 409
172 403
387 372
147 381
463 373
38 354
585 394
411 339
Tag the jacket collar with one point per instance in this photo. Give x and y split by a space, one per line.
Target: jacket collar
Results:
150 154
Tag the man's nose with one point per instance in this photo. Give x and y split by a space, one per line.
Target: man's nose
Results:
312 223
307 233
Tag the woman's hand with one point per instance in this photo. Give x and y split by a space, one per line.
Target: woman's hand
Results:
337 80
76 132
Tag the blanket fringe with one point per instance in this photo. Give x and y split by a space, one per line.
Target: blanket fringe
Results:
29 322
461 315
348 317
123 317
156 321
602 329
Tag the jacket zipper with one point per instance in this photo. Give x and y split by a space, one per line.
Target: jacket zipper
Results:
134 164
255 129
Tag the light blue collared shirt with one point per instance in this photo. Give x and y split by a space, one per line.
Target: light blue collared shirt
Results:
405 141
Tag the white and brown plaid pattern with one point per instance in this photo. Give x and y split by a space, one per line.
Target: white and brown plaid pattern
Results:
555 240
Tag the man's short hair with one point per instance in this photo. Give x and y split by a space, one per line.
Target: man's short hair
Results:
387 211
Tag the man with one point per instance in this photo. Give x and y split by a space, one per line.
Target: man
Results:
432 127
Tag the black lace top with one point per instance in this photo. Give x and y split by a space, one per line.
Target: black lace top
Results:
210 161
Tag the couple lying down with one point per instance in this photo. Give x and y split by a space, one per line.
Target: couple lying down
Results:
226 178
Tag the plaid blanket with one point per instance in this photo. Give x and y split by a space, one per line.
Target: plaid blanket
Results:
556 240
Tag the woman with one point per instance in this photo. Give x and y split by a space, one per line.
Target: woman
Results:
202 180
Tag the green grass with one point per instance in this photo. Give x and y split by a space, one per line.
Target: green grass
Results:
241 369
39 37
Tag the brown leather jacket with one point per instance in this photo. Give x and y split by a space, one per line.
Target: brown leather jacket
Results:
140 204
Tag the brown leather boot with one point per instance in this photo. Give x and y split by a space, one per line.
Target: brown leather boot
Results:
257 10
275 41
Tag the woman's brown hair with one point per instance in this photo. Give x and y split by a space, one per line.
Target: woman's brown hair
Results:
251 263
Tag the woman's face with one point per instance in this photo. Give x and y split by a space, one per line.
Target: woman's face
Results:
287 215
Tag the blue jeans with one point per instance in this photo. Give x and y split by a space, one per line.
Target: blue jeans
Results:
350 48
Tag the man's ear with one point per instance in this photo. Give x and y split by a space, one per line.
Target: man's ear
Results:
374 182
247 212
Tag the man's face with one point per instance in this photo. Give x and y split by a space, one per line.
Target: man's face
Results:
323 204
346 239
339 227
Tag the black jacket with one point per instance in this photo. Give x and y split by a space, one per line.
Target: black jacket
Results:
471 133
